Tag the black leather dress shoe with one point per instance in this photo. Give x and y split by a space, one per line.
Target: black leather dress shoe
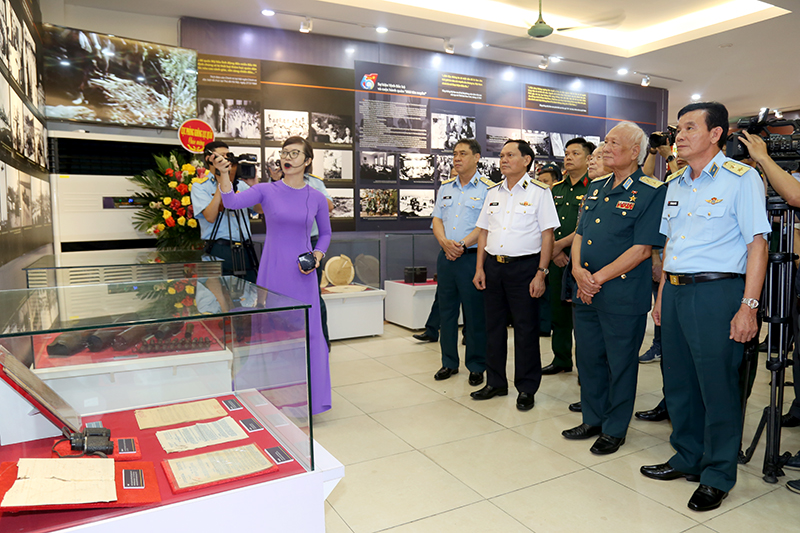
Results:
706 498
525 401
576 407
489 392
606 444
444 373
475 378
424 337
665 472
653 415
551 369
584 431
789 421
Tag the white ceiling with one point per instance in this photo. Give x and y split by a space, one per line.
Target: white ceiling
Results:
745 67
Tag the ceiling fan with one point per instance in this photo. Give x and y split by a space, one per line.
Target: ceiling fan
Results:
541 29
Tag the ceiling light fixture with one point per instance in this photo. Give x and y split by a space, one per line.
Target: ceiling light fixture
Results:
448 46
646 81
622 71
696 97
268 12
350 50
381 29
555 59
544 63
477 45
306 26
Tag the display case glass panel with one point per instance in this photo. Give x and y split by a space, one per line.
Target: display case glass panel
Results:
351 265
411 257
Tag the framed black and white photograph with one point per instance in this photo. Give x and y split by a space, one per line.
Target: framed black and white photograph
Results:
26 200
594 139
5 112
251 150
558 142
416 203
13 199
417 168
490 167
343 203
46 201
378 203
444 167
40 144
272 162
29 71
279 125
333 165
28 133
17 120
378 166
15 44
333 129
236 119
447 130
539 141
4 224
496 137
4 7
36 191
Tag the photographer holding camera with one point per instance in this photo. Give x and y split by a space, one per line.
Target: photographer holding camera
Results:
227 233
661 144
789 189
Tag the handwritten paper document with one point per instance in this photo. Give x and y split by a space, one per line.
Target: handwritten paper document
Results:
218 466
200 435
61 482
169 415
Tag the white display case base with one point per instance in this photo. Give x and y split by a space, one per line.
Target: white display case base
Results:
355 314
408 305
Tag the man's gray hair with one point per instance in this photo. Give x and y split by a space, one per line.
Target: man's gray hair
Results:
637 136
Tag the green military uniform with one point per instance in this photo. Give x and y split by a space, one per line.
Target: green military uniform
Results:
567 198
609 331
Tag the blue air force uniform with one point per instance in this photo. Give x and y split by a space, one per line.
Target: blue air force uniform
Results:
609 331
708 221
458 207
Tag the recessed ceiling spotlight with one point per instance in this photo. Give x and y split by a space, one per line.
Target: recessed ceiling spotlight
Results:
268 12
555 59
544 63
306 26
622 71
646 81
696 97
477 45
448 46
381 29
350 50
64 63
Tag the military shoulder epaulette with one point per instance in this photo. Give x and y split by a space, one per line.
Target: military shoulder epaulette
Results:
451 180
493 185
541 184
737 168
313 176
559 182
202 180
674 175
654 183
603 177
486 181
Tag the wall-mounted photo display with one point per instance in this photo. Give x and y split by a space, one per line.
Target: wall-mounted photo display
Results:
46 203
416 203
539 141
447 130
343 203
334 165
229 118
490 167
17 121
13 198
15 44
5 111
378 203
99 78
30 73
36 206
496 137
417 168
28 133
4 7
4 222
328 128
378 167
279 124
25 200
444 168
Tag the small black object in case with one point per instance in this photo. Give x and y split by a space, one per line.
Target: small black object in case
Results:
92 440
415 274
307 261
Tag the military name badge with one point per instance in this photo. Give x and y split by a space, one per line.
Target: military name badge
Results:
672 203
580 197
493 204
446 197
625 205
628 183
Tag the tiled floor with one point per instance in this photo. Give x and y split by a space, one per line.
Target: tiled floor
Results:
422 456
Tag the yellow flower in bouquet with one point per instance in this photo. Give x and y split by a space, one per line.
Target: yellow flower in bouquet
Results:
166 214
189 289
186 200
188 167
192 223
182 221
161 227
172 184
171 290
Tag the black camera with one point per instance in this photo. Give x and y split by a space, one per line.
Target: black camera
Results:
782 148
92 440
245 164
659 138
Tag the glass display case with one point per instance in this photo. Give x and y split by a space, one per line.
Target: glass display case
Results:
144 347
114 266
410 277
350 287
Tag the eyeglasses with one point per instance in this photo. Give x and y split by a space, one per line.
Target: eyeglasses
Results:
291 154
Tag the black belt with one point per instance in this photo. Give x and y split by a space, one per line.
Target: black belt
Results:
471 251
510 259
700 277
225 241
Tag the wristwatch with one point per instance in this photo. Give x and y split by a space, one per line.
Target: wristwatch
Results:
545 270
752 303
670 158
463 245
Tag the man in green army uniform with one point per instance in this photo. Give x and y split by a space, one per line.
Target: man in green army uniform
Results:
567 195
612 267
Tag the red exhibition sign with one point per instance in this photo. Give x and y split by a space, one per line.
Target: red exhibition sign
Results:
195 134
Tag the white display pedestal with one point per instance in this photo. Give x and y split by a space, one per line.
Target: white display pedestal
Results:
408 305
355 314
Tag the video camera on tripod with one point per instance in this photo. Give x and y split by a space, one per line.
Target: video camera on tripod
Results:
783 149
245 165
